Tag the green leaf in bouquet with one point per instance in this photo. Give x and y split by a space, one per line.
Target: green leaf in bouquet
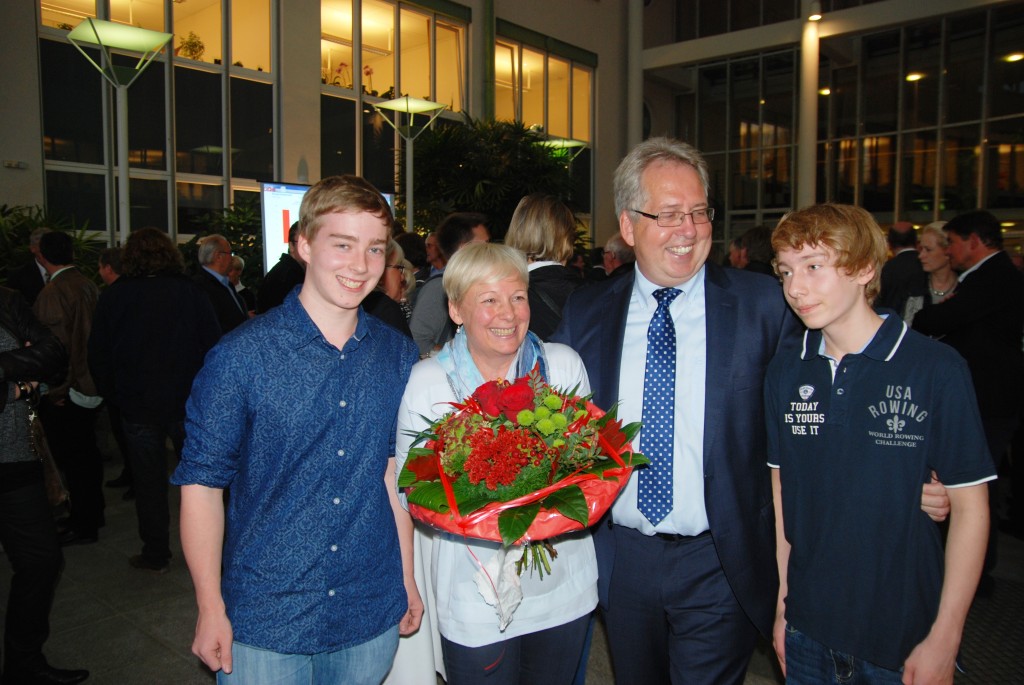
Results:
429 496
513 523
569 502
471 504
420 467
635 459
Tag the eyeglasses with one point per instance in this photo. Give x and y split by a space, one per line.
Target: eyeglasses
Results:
395 266
673 219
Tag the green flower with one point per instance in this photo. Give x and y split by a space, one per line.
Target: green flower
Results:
553 402
559 420
542 412
580 413
525 418
546 426
558 443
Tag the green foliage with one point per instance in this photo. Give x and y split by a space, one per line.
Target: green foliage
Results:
482 166
241 224
17 224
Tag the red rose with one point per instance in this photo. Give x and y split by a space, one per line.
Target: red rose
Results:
488 396
516 397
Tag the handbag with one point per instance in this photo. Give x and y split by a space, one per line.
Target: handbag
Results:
56 490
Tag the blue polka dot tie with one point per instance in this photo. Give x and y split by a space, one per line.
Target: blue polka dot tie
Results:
655 495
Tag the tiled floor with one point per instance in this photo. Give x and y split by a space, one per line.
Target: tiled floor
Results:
128 626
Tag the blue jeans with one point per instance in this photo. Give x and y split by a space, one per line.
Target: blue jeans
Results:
809 662
363 664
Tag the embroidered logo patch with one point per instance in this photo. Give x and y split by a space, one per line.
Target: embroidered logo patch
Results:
806 391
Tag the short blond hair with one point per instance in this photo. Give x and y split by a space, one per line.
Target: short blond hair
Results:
338 195
543 228
482 263
850 232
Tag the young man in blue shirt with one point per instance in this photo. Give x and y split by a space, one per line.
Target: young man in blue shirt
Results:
308 576
857 421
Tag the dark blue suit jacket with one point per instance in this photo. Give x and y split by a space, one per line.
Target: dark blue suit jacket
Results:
747 322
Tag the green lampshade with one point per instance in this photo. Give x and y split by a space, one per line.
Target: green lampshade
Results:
108 35
410 105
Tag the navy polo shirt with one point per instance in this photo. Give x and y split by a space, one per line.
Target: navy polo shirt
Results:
866 567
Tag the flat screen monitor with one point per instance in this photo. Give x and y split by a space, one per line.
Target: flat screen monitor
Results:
280 203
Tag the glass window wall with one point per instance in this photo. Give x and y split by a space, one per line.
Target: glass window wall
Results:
250 34
198 25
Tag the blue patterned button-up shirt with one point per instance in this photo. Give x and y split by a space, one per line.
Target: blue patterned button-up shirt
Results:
299 433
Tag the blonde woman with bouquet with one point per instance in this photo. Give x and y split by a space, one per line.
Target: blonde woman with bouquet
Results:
493 626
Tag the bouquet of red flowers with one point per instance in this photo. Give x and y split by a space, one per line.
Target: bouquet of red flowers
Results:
519 463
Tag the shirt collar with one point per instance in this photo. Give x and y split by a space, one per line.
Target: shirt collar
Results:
691 289
977 266
58 272
536 265
223 279
299 323
881 347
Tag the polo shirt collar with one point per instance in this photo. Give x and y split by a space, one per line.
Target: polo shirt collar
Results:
881 347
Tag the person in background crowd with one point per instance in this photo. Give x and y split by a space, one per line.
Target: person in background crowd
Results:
214 257
31 277
69 411
149 337
543 228
902 275
619 257
282 278
30 354
939 280
235 278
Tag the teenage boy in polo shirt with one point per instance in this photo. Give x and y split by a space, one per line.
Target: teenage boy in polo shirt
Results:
857 420
294 413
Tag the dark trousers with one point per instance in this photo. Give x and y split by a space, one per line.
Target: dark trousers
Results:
547 657
29 537
117 429
999 434
71 433
147 451
672 617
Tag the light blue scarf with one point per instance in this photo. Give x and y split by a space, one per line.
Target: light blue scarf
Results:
463 376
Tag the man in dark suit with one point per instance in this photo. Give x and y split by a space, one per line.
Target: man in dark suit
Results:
684 593
30 278
215 259
282 278
902 275
984 322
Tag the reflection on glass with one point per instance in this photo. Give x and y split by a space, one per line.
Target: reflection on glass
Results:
558 97
711 130
250 33
506 81
960 168
337 136
581 104
745 96
252 130
79 198
533 88
964 62
147 15
845 172
414 78
197 31
1006 163
451 65
881 91
149 203
336 43
378 150
67 14
195 201
378 73
778 178
746 170
843 101
921 79
821 173
198 116
71 134
1006 84
920 169
147 119
878 166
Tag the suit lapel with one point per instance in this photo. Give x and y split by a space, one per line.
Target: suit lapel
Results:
610 342
720 320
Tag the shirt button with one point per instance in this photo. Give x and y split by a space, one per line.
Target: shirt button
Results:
330 593
334 548
343 403
337 500
840 391
342 357
341 453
